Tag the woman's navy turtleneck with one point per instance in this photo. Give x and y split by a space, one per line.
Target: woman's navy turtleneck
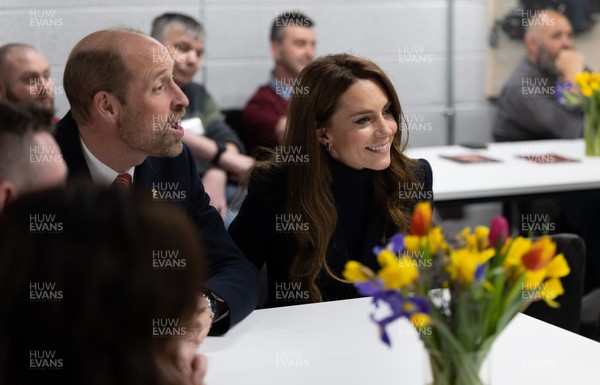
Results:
352 192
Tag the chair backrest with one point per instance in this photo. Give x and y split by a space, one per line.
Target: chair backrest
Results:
235 120
568 315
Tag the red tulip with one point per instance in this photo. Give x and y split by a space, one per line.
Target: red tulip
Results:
421 220
539 255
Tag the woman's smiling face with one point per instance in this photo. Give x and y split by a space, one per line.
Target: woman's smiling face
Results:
361 131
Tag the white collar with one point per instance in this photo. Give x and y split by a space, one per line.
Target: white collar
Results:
102 175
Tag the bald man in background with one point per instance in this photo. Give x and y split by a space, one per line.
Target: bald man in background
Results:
528 108
25 76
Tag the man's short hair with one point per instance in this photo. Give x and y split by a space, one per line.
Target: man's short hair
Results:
91 70
286 19
163 24
18 123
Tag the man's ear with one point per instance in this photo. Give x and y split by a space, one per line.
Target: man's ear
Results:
107 106
276 50
531 44
8 193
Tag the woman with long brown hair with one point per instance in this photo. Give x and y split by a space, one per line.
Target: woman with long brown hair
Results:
338 186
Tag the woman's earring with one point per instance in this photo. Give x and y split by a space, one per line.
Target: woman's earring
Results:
328 146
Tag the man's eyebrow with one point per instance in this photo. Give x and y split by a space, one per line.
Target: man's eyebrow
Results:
162 73
31 73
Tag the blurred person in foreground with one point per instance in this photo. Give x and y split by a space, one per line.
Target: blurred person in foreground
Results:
338 186
83 299
124 127
293 44
216 147
25 76
30 158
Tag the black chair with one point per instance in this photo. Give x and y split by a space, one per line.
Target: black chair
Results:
235 119
568 315
590 315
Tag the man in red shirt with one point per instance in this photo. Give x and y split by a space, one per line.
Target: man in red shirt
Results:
293 47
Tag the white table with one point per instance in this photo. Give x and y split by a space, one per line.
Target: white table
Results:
335 343
512 176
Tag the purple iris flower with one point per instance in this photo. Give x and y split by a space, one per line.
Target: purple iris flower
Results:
395 244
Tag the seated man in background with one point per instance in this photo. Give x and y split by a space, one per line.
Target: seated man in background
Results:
214 144
292 47
25 76
30 158
88 285
528 107
123 127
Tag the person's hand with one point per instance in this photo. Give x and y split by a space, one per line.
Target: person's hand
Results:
200 325
215 182
191 365
569 62
235 164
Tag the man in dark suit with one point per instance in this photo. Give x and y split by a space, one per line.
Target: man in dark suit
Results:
124 127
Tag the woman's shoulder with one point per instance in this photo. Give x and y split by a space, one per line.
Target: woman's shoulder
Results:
424 177
423 170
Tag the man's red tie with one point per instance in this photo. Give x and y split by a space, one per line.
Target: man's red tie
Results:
122 181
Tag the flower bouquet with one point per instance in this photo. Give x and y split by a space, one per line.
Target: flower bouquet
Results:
464 291
585 93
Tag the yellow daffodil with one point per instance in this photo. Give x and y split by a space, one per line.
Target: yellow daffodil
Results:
542 269
482 236
357 272
397 274
436 240
420 320
412 243
464 263
514 251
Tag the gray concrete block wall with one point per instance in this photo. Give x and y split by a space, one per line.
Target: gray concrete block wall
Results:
238 60
55 26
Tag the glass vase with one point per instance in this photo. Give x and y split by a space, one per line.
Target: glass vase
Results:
447 368
591 134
